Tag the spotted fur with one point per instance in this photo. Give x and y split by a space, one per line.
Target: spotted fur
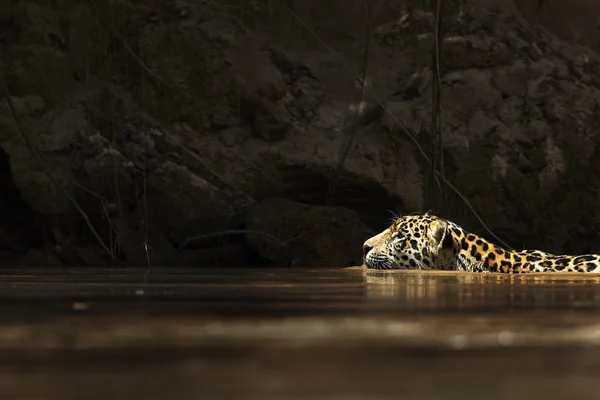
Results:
429 242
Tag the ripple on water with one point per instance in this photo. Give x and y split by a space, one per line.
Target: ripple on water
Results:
286 333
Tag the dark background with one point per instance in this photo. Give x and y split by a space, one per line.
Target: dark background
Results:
293 128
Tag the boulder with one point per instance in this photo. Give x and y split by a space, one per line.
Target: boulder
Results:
286 232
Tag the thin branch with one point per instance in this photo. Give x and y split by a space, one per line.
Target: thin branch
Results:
33 150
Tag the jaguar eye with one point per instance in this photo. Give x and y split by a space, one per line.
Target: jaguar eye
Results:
395 235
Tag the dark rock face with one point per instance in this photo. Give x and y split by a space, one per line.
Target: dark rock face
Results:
307 235
146 124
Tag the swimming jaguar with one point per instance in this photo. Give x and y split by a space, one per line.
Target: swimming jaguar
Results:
430 242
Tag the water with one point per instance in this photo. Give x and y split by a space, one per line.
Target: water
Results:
297 334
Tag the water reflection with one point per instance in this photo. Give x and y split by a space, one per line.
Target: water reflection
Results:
447 291
287 333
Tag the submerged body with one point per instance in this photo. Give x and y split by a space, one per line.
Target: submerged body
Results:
429 242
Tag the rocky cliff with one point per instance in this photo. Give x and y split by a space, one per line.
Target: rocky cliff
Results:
136 130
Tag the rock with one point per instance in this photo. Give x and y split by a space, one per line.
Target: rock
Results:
191 117
142 245
88 40
306 235
38 173
512 80
108 161
463 52
180 200
5 11
400 111
269 122
255 72
233 136
40 70
259 86
34 258
29 108
288 63
92 256
38 25
227 255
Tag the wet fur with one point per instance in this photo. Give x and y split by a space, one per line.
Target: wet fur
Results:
429 242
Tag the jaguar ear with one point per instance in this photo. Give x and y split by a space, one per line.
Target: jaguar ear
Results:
438 234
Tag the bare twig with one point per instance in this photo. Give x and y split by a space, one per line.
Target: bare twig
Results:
33 150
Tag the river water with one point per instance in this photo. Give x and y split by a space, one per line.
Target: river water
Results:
297 334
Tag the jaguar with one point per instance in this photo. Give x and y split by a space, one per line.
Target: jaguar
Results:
426 241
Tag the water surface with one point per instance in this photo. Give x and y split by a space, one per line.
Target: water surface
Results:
298 334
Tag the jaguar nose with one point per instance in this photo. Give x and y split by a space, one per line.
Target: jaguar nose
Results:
366 249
